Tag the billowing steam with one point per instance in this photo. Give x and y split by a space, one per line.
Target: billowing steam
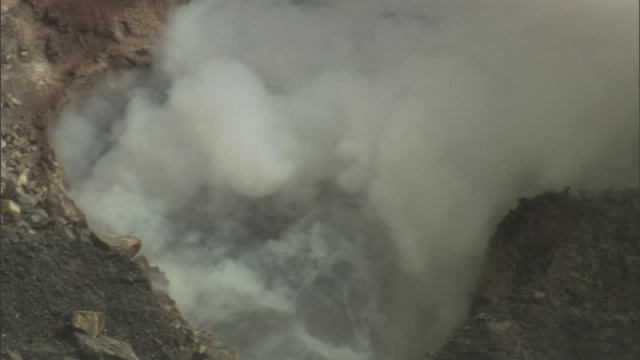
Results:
319 178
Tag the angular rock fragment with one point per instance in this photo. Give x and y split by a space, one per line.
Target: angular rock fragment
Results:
209 348
10 207
91 322
23 179
129 245
59 205
105 348
14 355
39 217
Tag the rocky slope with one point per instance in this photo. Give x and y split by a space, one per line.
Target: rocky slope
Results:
562 280
52 265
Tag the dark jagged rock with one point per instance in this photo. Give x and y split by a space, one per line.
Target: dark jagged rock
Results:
562 282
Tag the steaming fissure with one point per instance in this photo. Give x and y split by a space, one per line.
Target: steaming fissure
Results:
319 179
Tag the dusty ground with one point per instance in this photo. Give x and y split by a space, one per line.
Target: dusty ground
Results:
562 282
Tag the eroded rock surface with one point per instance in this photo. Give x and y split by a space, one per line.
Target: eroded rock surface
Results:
49 265
562 282
47 274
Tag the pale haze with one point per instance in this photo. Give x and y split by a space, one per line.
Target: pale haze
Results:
319 179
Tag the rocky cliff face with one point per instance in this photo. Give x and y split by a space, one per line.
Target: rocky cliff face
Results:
562 279
66 292
562 282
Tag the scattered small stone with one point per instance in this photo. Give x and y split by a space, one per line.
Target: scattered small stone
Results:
15 102
22 179
59 205
219 344
10 207
27 203
23 54
209 348
14 355
104 347
501 328
69 233
129 245
539 295
39 217
3 144
91 322
18 142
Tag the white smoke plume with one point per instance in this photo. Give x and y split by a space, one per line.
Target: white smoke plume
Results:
319 179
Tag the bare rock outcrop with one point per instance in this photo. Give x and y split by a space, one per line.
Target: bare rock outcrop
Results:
52 264
562 282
